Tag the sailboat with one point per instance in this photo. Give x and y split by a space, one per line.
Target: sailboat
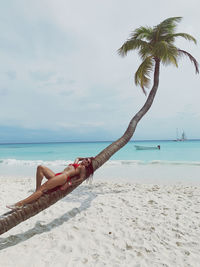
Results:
183 136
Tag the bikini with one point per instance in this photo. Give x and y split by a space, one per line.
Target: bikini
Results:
75 165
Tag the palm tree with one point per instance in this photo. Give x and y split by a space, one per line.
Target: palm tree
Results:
155 45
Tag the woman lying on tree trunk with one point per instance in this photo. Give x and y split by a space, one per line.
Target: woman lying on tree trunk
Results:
63 179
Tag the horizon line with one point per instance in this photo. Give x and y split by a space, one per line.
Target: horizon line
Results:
97 141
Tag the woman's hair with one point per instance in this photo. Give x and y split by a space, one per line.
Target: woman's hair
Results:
89 170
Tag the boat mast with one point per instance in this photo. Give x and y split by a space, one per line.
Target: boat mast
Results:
176 133
183 136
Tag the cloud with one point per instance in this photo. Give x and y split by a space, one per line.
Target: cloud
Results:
41 75
60 68
3 92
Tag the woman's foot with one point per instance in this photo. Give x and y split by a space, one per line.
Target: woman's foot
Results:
14 207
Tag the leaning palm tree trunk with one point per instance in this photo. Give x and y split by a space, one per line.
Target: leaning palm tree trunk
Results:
12 218
104 155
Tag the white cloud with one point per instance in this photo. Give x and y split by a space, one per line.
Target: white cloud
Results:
59 66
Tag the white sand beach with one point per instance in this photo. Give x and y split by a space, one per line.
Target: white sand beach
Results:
106 224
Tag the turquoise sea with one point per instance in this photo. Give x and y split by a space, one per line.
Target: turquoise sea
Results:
22 154
174 162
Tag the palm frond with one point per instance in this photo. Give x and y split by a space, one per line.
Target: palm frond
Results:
160 49
186 36
192 59
169 38
142 33
145 51
142 75
166 52
131 44
172 60
170 21
165 27
168 25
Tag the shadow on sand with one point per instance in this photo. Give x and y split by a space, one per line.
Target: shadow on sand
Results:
82 194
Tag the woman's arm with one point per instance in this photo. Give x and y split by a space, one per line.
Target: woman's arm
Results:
77 160
82 176
81 173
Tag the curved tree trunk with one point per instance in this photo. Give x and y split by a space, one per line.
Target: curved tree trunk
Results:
104 155
12 218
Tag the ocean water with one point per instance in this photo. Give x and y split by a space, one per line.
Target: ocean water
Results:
174 162
187 152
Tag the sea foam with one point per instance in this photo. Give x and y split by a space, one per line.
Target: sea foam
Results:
33 163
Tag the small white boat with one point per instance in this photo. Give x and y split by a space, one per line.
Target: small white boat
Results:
146 147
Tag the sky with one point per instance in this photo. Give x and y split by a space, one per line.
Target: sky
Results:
63 80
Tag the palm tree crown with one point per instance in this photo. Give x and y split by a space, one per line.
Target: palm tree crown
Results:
156 44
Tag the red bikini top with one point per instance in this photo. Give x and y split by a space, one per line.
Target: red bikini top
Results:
75 165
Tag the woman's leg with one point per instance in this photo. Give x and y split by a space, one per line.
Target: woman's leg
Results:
41 172
51 183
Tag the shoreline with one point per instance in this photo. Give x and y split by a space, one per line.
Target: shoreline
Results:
133 173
